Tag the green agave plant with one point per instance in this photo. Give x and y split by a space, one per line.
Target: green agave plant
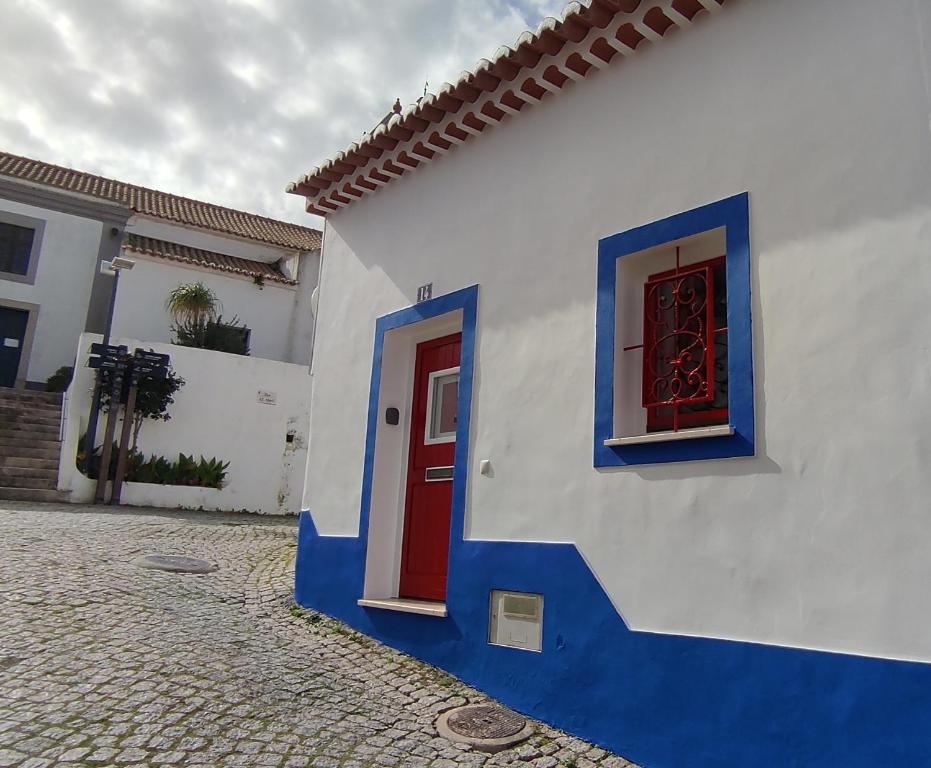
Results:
186 470
192 304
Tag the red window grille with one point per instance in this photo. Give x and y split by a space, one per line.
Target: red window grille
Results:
685 346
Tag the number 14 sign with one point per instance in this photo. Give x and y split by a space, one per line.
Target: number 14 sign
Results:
425 292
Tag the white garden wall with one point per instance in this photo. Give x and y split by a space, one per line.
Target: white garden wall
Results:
216 413
821 539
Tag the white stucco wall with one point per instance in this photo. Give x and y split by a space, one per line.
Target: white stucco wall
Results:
274 312
215 414
62 288
820 540
300 331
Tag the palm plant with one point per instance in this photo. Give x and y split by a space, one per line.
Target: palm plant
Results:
192 306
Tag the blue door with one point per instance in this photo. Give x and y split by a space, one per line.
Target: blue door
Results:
12 335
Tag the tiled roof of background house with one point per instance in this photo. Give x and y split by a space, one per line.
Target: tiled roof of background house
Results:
162 205
220 261
588 36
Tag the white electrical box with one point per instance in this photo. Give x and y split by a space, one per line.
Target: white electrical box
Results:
516 620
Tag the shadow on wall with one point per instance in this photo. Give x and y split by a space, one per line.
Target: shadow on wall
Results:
664 701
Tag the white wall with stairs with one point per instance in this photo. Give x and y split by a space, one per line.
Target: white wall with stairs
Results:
30 445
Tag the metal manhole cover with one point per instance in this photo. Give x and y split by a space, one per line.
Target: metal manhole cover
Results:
487 727
174 564
486 721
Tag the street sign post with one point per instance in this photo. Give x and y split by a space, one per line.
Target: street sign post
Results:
124 441
99 354
121 364
142 365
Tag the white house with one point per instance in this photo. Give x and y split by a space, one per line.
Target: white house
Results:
58 224
627 422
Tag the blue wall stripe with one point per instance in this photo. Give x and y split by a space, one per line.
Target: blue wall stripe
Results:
662 700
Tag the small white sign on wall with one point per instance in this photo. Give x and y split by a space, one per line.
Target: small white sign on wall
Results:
266 398
14 343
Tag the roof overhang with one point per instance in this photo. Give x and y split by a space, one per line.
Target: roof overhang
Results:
588 36
199 257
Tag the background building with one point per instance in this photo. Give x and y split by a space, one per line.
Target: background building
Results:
58 224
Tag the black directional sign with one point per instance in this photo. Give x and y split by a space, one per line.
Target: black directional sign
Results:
108 350
150 371
107 363
153 358
109 357
142 364
150 365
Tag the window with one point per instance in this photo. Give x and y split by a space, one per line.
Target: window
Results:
673 358
442 396
685 346
20 244
15 248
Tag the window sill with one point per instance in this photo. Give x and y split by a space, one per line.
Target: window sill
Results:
722 430
16 277
404 605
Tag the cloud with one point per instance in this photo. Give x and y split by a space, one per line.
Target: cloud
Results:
229 100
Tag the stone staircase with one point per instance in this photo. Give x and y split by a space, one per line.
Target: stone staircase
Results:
30 424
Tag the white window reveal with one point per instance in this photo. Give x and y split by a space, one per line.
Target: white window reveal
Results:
442 397
516 620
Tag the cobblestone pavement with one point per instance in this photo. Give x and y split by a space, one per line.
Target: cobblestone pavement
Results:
104 663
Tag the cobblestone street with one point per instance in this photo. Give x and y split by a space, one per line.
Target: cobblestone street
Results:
105 663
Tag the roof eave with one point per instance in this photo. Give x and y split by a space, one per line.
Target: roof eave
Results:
588 37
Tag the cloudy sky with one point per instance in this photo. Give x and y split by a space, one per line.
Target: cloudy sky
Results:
228 100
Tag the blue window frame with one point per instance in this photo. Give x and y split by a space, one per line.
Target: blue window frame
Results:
733 215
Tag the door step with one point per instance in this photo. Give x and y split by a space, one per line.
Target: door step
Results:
406 605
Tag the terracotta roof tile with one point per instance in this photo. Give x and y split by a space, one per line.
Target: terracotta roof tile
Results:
588 36
220 261
162 205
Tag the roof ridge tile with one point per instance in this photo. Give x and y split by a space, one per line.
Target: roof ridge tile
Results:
151 202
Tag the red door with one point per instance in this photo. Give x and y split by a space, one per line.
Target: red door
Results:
428 504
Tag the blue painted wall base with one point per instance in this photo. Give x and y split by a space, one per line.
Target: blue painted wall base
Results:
664 701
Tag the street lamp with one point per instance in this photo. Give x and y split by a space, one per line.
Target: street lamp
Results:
114 267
